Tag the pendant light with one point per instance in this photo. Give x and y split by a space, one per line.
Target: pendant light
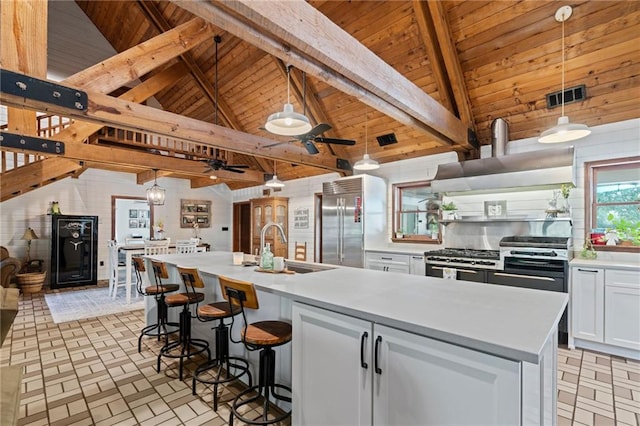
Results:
155 194
366 163
288 122
564 131
274 182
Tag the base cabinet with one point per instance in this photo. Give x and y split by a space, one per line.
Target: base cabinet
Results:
605 314
587 303
622 309
371 374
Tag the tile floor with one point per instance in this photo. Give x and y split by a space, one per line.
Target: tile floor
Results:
90 372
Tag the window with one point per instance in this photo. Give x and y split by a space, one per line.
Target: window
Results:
612 202
416 213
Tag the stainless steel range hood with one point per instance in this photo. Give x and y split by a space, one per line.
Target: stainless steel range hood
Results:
548 168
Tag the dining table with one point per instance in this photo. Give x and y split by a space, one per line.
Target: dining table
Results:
131 250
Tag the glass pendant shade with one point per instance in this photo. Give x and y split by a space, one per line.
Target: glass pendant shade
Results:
155 194
287 122
564 132
367 163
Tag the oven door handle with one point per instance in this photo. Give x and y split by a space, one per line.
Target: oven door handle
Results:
468 271
531 277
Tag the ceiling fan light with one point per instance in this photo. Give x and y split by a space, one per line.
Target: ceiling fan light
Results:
367 163
287 122
564 131
274 182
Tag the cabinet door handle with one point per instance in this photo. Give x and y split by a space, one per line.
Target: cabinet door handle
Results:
363 339
386 258
376 353
595 271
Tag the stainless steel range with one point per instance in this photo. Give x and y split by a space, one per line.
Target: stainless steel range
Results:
534 262
469 264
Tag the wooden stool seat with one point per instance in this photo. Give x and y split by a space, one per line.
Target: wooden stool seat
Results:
160 289
260 336
162 327
217 310
181 299
267 333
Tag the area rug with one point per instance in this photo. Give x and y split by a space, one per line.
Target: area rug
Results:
75 305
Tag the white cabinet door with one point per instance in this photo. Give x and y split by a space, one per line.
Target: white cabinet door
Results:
622 308
331 382
387 262
587 303
421 381
418 266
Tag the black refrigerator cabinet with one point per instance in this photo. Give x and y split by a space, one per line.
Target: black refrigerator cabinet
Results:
74 251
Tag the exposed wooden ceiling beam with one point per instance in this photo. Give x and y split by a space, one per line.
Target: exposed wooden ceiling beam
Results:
209 90
452 62
23 49
25 178
106 110
430 41
292 31
137 61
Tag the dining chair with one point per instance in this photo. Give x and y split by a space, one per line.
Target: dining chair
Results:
152 247
115 267
185 246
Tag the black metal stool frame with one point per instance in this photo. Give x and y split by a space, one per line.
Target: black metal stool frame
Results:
233 367
160 327
185 342
266 379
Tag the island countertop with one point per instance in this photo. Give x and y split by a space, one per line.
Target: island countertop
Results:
509 322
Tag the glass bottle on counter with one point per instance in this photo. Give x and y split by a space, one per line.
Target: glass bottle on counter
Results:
266 261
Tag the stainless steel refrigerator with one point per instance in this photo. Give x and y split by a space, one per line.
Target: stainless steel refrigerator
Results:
353 219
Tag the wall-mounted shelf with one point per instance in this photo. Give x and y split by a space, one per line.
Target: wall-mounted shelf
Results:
485 219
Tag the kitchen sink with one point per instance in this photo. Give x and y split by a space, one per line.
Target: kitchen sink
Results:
305 268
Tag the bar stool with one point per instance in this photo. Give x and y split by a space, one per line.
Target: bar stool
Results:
158 291
263 336
185 347
223 368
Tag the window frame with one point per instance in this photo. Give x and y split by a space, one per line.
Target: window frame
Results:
397 189
591 170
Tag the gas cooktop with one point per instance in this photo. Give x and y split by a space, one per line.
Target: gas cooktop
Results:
453 257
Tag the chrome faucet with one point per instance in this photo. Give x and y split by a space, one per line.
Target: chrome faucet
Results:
263 233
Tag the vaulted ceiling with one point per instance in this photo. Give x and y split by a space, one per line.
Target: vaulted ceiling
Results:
432 74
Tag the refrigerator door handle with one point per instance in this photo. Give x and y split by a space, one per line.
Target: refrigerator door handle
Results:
340 230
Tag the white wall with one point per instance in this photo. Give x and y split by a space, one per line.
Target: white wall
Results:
90 194
606 141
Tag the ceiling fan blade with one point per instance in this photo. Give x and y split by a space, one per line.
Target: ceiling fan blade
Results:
278 143
320 128
232 169
311 148
335 141
237 166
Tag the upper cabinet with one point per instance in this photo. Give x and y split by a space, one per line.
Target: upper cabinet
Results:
263 211
416 213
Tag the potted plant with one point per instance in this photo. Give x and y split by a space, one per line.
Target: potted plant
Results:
627 231
564 208
399 233
449 211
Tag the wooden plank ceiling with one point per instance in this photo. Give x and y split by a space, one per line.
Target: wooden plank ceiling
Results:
445 67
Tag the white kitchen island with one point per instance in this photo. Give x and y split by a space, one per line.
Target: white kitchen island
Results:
484 354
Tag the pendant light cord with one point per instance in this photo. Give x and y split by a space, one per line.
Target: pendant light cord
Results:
563 19
217 39
288 84
366 134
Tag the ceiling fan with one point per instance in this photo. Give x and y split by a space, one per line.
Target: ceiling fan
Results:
311 136
222 165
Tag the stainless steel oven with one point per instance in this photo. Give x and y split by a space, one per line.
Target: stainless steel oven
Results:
469 265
